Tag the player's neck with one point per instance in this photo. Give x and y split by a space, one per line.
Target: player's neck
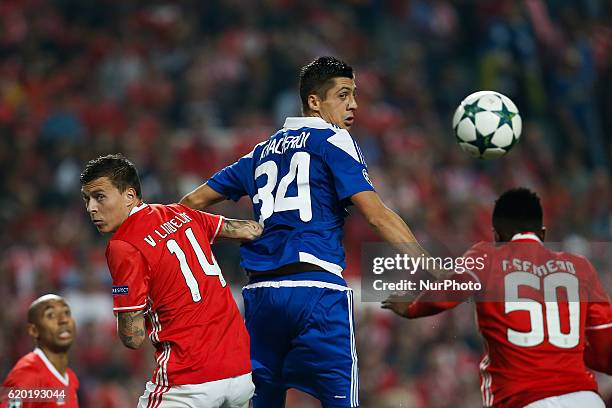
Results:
59 360
133 208
312 114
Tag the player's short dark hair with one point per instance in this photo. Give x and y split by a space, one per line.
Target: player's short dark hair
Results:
517 210
317 77
119 170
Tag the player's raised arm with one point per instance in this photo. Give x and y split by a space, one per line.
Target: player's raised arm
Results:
419 307
244 230
131 328
202 197
389 225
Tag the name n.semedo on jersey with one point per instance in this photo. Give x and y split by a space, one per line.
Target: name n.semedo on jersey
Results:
551 266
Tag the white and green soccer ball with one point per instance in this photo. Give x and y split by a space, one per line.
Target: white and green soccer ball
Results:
487 124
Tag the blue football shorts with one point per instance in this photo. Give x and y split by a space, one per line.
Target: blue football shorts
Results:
302 336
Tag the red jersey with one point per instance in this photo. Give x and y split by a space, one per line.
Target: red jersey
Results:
35 372
533 308
161 261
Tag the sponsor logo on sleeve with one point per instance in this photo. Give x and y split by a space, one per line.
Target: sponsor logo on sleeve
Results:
120 290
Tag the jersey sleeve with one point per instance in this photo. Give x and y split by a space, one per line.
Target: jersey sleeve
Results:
599 310
232 181
129 271
341 153
23 377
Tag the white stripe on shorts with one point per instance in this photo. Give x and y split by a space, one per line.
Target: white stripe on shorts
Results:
296 284
354 369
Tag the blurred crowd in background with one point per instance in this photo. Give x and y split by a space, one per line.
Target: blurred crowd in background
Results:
185 88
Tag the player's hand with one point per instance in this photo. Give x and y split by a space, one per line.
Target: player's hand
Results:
398 302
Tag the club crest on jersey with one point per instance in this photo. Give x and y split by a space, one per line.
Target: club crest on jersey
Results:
120 290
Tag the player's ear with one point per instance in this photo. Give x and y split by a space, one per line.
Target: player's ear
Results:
542 233
314 103
130 196
33 331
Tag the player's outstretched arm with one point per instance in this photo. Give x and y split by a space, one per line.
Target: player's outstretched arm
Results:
390 226
244 230
201 198
131 328
419 307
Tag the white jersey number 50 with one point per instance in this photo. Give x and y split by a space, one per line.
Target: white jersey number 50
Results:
299 168
535 336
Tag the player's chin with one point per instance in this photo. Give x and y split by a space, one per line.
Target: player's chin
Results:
102 228
347 123
62 345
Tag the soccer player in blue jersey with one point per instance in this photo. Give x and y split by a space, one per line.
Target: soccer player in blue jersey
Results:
298 308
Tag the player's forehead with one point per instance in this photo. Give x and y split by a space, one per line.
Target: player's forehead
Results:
343 83
47 305
103 184
54 304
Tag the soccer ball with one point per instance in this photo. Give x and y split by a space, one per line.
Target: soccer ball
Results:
487 124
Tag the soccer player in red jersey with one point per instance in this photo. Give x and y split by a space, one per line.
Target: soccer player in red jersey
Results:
543 314
42 378
163 268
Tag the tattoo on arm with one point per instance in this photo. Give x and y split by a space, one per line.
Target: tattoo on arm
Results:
240 229
131 328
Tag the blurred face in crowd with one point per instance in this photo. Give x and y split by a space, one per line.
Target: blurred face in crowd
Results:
339 105
51 323
107 206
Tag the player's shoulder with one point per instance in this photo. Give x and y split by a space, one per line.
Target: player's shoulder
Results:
482 247
256 150
177 208
186 214
311 123
118 248
140 219
580 263
316 129
26 372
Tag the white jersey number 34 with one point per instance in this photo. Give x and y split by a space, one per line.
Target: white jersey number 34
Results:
299 168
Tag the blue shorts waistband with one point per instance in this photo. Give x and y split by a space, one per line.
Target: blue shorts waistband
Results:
320 276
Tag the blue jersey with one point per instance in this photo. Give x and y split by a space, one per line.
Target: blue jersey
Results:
299 181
